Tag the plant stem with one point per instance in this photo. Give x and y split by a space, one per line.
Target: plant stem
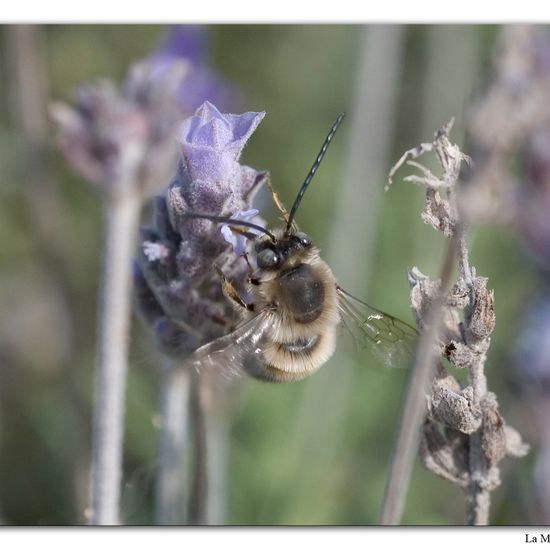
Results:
121 220
199 488
218 422
414 407
478 499
170 487
28 88
369 145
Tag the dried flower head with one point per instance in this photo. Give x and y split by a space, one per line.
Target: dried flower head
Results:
464 436
510 133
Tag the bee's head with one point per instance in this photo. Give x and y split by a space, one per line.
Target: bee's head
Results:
288 248
285 247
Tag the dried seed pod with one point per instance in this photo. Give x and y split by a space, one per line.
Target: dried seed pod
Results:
493 438
452 406
445 453
480 316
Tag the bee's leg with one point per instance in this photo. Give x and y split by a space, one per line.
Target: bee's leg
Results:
230 292
277 201
250 275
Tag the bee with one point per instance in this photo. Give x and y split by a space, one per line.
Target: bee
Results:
289 328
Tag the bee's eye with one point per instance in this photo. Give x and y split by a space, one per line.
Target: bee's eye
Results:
267 258
303 239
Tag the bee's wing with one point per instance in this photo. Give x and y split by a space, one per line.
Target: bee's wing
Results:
390 340
229 354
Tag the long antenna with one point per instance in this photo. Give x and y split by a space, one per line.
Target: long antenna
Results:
312 171
230 221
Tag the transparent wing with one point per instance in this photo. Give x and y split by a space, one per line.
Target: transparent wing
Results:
232 354
390 341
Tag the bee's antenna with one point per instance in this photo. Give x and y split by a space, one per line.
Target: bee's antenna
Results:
231 221
312 171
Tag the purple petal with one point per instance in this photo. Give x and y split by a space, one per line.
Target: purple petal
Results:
211 143
184 41
222 132
237 240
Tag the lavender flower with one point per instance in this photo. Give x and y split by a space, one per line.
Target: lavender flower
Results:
124 142
178 289
109 131
188 43
533 197
510 125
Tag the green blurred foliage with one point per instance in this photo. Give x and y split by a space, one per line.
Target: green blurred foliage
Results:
289 463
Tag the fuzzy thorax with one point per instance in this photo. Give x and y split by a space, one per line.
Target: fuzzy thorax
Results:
302 334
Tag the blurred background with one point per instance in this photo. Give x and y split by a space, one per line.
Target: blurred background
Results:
315 452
